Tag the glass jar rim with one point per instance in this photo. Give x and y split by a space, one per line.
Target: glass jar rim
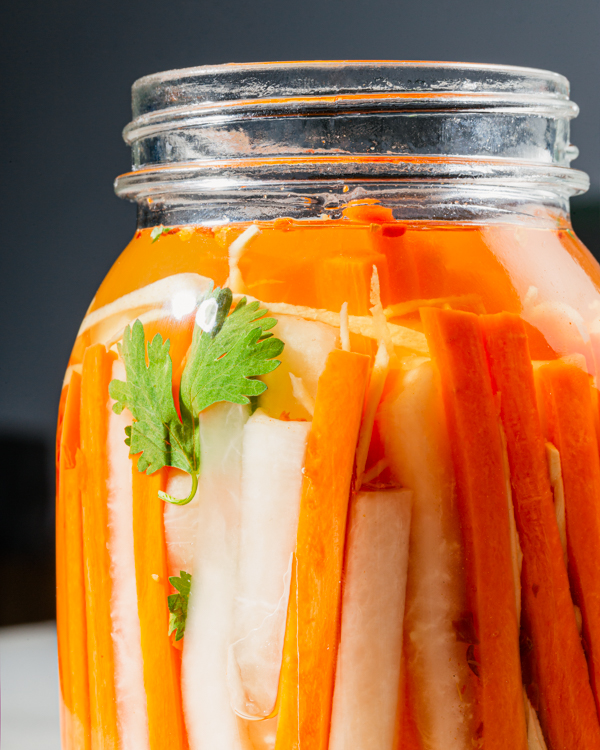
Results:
236 112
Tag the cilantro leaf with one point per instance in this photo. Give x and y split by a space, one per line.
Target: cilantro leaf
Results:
156 430
158 232
178 603
222 366
229 350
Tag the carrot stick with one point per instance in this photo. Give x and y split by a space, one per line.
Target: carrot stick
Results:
96 374
566 704
77 627
162 663
567 404
348 279
70 599
457 349
310 649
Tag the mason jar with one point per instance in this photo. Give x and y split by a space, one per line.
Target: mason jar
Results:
328 468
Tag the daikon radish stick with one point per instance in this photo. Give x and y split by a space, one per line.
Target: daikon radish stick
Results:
381 325
411 422
307 346
273 456
96 374
210 720
374 391
367 682
375 471
457 348
558 492
566 703
566 394
72 634
309 656
344 328
161 661
535 737
146 318
129 677
153 295
235 281
301 394
181 522
361 324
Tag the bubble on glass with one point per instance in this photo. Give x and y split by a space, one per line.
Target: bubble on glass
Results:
183 303
206 316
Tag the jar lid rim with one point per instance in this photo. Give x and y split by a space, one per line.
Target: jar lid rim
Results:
246 81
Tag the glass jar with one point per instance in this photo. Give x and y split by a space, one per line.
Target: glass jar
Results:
328 468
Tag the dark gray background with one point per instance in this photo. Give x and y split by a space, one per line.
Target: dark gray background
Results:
67 71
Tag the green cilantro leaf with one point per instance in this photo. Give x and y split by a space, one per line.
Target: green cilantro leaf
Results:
221 366
178 603
158 232
229 350
156 431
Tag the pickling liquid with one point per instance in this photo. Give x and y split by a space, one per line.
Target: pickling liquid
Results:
352 504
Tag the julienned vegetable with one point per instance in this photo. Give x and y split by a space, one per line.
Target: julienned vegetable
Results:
309 655
439 681
367 682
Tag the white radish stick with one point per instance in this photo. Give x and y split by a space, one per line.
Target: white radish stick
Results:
273 458
381 324
367 682
181 522
558 492
129 671
164 292
535 736
365 325
374 391
307 346
411 422
344 328
209 718
302 395
237 248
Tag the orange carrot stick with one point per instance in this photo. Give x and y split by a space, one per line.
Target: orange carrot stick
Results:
566 703
310 649
70 598
96 374
457 349
77 627
567 404
162 663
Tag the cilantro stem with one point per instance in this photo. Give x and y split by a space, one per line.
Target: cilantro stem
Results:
186 500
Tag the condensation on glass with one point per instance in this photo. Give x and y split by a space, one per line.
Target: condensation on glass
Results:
328 467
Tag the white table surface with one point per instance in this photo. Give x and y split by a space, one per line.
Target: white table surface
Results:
29 685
